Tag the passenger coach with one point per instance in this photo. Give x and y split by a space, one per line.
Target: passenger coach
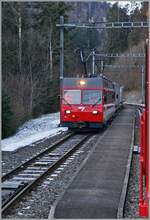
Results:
87 102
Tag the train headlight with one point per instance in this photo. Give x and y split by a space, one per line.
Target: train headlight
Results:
95 112
67 111
82 82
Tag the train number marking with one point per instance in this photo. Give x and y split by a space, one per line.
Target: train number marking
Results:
81 108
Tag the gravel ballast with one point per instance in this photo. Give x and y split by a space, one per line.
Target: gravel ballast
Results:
10 160
38 203
132 200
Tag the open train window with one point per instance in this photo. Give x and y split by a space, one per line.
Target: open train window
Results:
72 97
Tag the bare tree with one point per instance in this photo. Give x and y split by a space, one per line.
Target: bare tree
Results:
50 51
16 9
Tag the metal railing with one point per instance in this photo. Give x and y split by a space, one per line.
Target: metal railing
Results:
144 148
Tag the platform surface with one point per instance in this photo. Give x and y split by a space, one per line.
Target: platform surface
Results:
96 189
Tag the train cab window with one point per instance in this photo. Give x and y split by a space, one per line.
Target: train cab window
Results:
72 97
92 97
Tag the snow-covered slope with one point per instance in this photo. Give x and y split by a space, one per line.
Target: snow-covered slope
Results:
32 131
130 5
133 96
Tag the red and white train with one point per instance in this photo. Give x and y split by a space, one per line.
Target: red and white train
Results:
89 102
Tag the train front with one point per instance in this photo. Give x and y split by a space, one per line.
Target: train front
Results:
81 103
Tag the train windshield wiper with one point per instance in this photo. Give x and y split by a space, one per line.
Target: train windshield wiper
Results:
66 101
96 102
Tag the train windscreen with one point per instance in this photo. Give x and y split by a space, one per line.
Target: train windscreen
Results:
72 97
92 97
88 97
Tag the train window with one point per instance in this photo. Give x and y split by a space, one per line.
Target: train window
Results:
72 97
108 84
105 83
109 97
92 97
105 99
111 86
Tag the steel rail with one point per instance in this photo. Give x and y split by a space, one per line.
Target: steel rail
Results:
49 170
26 163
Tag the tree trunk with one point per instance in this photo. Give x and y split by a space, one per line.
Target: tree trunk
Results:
50 51
31 90
20 38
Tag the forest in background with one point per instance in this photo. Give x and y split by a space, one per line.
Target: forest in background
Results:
30 52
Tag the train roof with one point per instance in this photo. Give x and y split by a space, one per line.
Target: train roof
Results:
89 81
85 82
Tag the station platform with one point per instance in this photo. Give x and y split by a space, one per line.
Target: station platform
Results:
98 189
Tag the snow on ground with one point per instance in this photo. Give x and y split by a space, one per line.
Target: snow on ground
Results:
133 96
32 131
130 5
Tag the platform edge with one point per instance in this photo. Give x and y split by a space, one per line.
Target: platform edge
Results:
52 210
120 211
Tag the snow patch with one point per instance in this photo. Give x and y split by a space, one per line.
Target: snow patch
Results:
34 130
133 96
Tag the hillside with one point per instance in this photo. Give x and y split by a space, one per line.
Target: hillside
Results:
130 74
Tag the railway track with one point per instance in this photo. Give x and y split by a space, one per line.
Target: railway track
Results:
25 177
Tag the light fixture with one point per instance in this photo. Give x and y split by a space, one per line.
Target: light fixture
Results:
82 82
95 112
67 111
